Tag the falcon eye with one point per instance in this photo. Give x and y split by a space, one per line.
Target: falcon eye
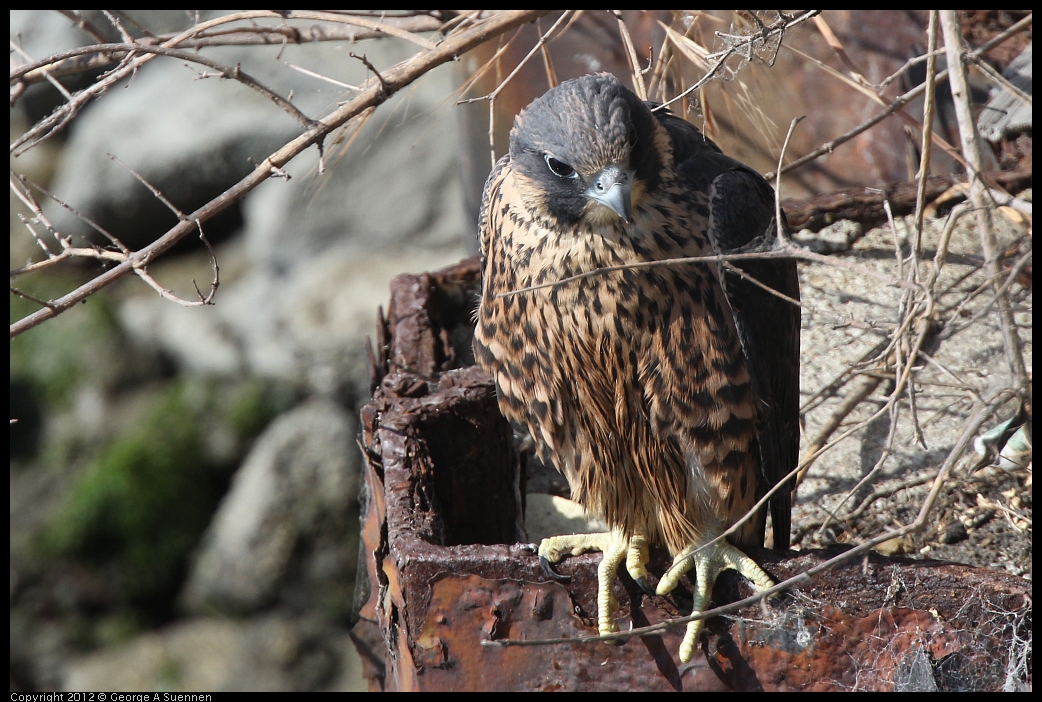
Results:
560 168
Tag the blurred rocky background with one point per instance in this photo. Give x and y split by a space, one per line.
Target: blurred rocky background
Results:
184 480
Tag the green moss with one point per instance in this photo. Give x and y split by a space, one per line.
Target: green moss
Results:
116 628
169 675
142 504
254 403
79 632
57 355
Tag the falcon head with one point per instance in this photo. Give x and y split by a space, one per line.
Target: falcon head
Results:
587 150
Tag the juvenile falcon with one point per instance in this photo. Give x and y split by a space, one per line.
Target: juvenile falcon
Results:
667 395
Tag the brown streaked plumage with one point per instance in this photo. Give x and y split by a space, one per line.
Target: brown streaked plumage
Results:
667 395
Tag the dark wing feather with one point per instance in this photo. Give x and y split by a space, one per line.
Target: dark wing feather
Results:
741 207
688 143
741 204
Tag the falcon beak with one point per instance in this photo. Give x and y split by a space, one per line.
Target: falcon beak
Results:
611 187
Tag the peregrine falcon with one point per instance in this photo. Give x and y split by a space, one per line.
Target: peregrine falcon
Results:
668 394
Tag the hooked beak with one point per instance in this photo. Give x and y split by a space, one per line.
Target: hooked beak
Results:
611 187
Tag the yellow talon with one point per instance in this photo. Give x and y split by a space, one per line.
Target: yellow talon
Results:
616 547
709 562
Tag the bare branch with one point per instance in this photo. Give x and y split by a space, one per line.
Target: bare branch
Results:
784 251
631 57
928 108
395 79
90 58
85 25
491 97
30 202
368 64
153 189
782 235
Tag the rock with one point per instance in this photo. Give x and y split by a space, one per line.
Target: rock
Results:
278 534
307 326
274 652
1006 114
319 249
836 237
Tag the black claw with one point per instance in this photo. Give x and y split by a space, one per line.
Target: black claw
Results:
548 571
642 583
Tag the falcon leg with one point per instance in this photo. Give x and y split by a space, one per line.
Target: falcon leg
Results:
616 547
709 562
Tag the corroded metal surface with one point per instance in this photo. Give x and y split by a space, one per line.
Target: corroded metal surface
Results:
443 574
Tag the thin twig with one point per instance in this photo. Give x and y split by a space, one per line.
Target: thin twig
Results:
123 255
491 97
153 189
766 288
115 22
851 402
321 77
631 57
782 235
89 58
383 27
927 143
26 296
368 64
887 451
837 48
884 491
879 98
85 25
885 83
1015 28
999 295
830 388
58 119
520 65
230 72
786 251
50 79
30 202
548 64
999 79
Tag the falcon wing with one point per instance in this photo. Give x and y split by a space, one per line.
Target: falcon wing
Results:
741 217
